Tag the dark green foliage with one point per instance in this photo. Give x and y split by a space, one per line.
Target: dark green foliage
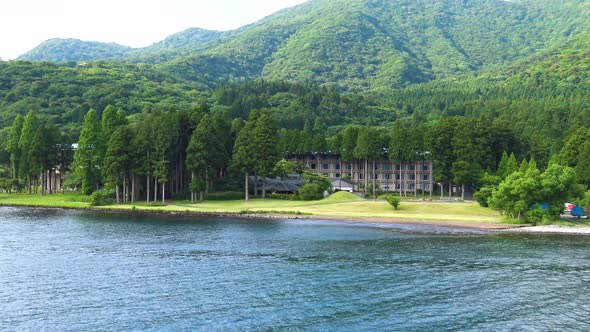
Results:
310 192
483 195
89 156
583 165
102 197
118 158
12 145
66 93
394 201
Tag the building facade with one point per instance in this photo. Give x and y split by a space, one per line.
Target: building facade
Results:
405 178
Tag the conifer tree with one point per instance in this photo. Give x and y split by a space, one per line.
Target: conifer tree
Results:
12 145
118 159
89 155
111 120
266 139
245 150
27 166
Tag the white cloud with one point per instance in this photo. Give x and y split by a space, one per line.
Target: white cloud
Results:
26 23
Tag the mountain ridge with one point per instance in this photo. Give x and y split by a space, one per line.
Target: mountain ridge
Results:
371 45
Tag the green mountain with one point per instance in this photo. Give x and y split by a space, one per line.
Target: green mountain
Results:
178 44
523 61
378 44
359 45
61 50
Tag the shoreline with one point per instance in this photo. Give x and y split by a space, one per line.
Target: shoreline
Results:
481 226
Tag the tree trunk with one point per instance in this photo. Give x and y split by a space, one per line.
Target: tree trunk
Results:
264 187
366 177
450 189
246 188
155 189
43 190
192 192
117 198
133 189
442 190
148 189
163 192
255 185
206 181
374 176
463 192
416 180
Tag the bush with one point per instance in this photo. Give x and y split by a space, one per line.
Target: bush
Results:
104 196
483 195
310 192
393 201
284 197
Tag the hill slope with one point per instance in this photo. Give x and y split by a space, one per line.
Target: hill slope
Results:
61 50
369 44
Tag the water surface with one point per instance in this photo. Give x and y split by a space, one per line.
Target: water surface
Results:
73 271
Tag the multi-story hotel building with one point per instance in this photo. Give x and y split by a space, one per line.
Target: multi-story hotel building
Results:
409 178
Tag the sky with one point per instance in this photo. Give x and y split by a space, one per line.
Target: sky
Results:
24 24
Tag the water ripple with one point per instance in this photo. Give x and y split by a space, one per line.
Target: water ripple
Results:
80 272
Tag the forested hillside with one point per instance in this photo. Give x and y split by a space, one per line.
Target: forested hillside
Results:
359 45
375 44
62 50
65 92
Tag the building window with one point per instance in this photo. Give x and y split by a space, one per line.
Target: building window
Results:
326 166
412 177
398 186
411 186
399 167
398 177
314 166
425 177
425 167
376 177
360 176
349 167
376 167
337 175
338 166
386 176
387 167
412 167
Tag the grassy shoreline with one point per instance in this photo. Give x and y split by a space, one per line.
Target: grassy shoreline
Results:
342 206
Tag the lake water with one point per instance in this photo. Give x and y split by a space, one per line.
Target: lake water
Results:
73 271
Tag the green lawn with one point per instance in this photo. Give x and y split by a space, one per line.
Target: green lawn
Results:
343 205
69 200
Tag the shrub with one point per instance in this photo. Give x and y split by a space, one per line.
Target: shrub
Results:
310 192
104 196
393 201
284 197
483 195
